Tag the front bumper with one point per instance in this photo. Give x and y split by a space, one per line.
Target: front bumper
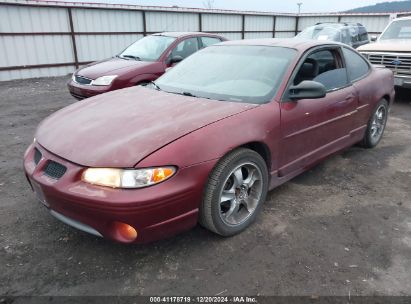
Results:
402 81
155 212
80 91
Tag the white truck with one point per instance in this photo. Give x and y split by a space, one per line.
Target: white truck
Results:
393 50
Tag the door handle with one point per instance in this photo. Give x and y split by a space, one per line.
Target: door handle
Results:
349 97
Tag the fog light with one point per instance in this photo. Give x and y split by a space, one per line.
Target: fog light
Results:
125 231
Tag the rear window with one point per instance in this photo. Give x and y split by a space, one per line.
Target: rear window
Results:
321 32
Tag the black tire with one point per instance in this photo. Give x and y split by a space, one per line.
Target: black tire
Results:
370 141
211 214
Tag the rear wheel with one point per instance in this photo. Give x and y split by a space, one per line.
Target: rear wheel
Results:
376 125
236 189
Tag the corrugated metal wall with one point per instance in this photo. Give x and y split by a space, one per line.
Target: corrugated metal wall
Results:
101 44
285 27
50 40
34 49
171 22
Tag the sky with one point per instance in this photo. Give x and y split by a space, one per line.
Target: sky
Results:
284 6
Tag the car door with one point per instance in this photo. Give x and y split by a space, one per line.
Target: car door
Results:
314 128
358 70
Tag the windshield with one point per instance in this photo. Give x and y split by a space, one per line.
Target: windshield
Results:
400 29
148 48
233 73
320 32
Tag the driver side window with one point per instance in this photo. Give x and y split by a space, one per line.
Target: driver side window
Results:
325 67
185 48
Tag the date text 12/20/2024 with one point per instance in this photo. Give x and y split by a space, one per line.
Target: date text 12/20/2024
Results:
203 299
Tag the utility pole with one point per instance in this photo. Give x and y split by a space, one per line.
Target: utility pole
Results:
299 7
209 4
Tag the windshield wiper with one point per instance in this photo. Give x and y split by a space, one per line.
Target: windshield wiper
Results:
184 93
192 95
188 94
132 57
155 85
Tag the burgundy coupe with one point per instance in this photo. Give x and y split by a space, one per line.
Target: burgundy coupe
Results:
207 140
143 61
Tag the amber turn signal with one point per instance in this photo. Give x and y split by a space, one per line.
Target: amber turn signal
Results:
160 174
125 231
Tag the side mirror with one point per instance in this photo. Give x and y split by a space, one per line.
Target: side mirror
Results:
175 59
307 90
374 38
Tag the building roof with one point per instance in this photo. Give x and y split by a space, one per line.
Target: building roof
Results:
59 3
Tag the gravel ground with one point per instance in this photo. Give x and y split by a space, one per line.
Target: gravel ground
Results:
342 228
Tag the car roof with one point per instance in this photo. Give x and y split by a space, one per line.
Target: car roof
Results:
340 24
294 43
182 34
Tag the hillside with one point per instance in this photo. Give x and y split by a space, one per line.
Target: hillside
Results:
384 7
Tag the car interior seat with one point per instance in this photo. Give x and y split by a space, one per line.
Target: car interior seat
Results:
308 71
188 49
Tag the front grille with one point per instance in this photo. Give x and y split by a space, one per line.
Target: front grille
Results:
54 169
37 156
82 80
76 96
398 63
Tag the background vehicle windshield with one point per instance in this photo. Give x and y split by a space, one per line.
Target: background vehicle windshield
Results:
233 73
320 33
400 29
148 48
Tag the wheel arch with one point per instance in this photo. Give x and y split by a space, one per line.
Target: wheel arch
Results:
261 148
387 98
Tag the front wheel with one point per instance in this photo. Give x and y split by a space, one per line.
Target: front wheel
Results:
235 191
376 125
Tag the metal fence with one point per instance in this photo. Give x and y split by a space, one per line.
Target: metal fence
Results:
40 39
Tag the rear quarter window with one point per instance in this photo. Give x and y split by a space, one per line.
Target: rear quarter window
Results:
356 65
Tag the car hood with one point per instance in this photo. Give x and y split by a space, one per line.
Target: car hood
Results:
390 45
111 66
120 128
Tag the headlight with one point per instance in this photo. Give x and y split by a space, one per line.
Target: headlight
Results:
127 178
104 80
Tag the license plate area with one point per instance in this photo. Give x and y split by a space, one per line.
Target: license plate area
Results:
398 81
39 193
76 90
